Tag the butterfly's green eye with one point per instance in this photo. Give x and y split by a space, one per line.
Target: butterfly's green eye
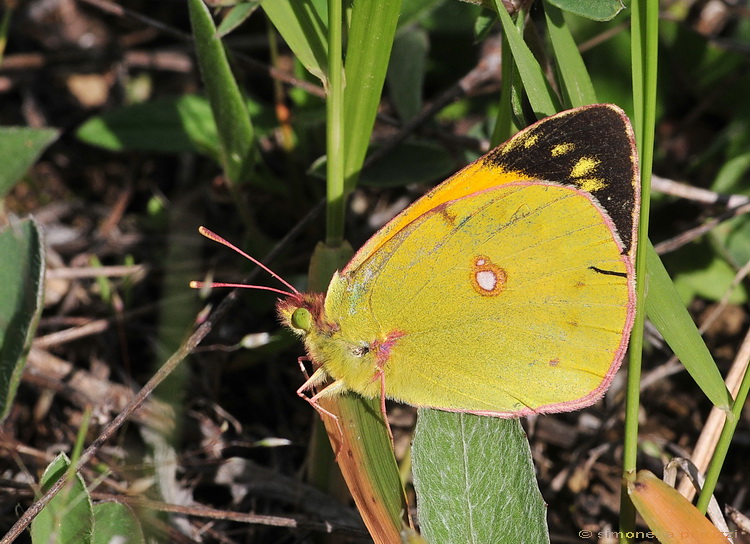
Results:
301 319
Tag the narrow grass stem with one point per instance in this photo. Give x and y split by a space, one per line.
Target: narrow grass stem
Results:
722 447
335 127
644 43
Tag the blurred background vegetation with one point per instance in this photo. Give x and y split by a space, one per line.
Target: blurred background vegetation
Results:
109 142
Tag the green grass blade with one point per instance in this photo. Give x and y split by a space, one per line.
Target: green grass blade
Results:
304 26
475 480
542 98
725 441
22 278
371 38
366 457
336 140
236 136
658 302
504 123
575 82
236 15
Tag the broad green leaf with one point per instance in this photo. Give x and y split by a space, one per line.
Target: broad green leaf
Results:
116 523
167 125
406 72
22 278
304 26
665 309
475 480
68 518
731 238
699 271
575 82
732 174
236 136
733 241
20 147
600 10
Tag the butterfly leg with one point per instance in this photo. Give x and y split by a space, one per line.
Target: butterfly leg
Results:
310 382
382 409
316 379
301 363
380 375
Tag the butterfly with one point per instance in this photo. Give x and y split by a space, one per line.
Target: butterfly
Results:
507 290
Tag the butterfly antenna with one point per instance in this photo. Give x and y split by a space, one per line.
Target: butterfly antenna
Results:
216 238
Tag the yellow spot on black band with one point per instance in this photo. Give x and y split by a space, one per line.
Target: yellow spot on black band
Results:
530 141
584 167
562 149
591 184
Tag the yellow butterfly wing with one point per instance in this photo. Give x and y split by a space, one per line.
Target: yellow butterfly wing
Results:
508 289
591 148
512 300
